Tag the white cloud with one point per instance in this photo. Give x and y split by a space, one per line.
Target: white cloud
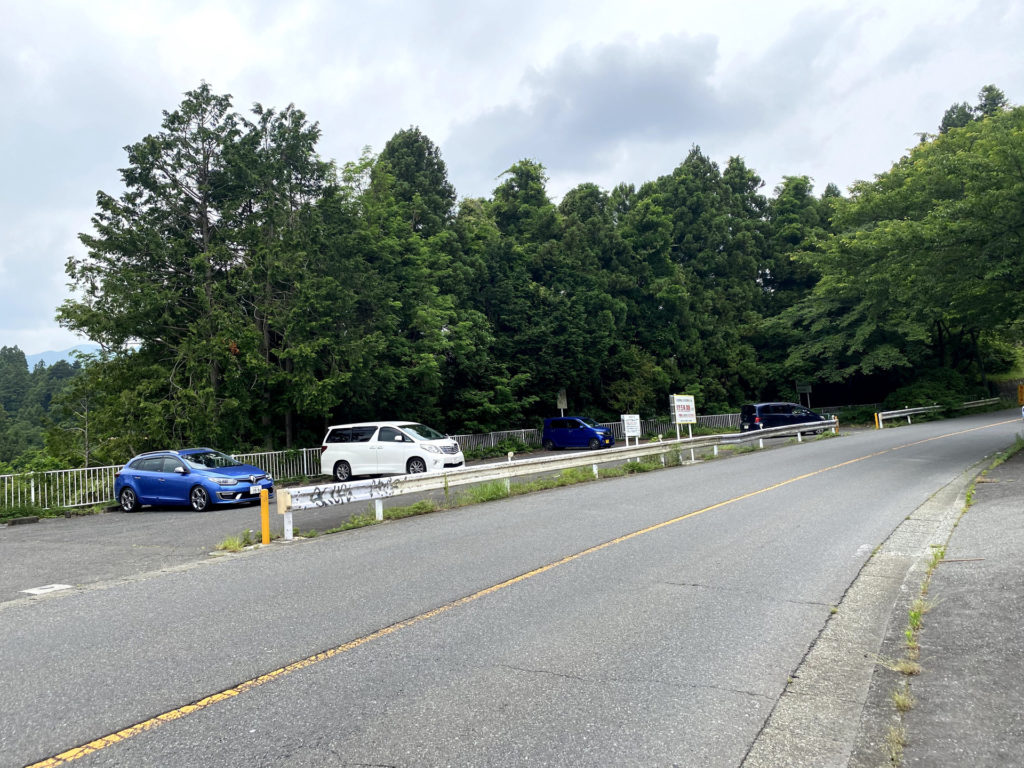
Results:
597 91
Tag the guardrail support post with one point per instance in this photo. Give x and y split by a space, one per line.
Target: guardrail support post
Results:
799 437
378 508
284 507
760 442
595 470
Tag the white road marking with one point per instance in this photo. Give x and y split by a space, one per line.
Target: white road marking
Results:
46 589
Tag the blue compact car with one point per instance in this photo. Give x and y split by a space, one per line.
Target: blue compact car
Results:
576 432
196 477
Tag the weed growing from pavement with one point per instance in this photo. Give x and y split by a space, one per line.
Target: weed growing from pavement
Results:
895 741
902 698
230 544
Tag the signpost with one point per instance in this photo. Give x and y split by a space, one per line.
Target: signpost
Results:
563 402
631 426
804 389
684 411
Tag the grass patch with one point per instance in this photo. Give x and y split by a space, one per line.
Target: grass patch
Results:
902 699
895 741
15 511
424 507
904 666
236 543
479 494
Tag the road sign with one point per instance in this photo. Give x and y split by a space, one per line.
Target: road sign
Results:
803 389
631 424
683 409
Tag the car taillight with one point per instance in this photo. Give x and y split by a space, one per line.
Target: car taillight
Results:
323 448
757 419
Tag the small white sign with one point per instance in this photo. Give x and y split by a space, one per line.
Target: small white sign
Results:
631 424
684 411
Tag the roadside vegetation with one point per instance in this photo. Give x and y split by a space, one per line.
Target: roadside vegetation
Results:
286 291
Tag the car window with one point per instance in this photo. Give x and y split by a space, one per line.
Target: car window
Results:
389 435
363 434
152 464
423 432
342 435
208 460
588 422
170 464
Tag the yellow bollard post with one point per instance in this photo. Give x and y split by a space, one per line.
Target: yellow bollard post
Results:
265 514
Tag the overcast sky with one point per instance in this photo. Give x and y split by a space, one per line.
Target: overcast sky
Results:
602 92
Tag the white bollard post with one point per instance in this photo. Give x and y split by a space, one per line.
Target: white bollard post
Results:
760 442
716 450
595 470
799 437
288 533
378 507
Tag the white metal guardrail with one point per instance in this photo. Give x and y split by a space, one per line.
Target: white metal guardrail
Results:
84 487
882 416
378 489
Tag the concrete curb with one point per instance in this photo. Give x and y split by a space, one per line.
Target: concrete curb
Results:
817 720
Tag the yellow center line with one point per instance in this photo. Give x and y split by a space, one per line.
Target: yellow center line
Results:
175 714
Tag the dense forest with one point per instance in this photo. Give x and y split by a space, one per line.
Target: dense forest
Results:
246 292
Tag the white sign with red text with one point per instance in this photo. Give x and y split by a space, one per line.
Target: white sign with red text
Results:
683 409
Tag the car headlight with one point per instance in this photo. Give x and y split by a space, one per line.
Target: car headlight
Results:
432 448
225 481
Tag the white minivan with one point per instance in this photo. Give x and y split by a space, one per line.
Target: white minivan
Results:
386 448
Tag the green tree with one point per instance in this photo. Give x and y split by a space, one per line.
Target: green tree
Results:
927 268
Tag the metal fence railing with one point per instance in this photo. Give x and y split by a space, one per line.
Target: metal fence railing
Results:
59 488
298 462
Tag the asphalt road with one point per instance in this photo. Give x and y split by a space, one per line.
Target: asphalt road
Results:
649 620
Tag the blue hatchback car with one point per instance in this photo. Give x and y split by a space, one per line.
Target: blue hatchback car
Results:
576 432
196 477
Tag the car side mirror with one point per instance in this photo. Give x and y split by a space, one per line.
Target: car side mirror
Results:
180 470
398 438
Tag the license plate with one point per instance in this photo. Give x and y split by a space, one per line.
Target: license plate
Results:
255 490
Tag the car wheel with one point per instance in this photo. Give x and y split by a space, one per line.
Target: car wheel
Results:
416 465
594 443
342 471
548 445
200 499
129 501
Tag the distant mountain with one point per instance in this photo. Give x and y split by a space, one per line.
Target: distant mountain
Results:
65 354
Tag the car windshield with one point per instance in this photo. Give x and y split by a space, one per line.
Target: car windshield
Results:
589 422
210 460
423 432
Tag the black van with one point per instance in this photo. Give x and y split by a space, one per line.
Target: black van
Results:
765 415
